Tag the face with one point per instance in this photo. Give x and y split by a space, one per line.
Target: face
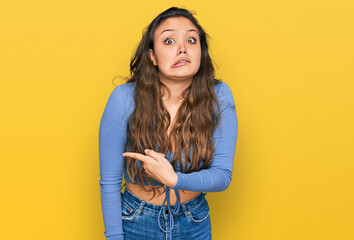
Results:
176 39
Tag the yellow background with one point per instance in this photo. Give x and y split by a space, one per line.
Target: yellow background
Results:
288 63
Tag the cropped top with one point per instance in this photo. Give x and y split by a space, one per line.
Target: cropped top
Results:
112 140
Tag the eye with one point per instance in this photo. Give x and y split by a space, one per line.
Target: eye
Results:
193 40
168 41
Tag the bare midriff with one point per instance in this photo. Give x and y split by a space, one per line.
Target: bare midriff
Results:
137 190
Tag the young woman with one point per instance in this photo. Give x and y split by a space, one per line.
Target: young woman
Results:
172 130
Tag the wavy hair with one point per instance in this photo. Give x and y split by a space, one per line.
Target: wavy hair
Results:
196 119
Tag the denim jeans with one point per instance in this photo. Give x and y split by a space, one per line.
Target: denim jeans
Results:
140 219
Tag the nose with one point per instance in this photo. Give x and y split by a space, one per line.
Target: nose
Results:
182 49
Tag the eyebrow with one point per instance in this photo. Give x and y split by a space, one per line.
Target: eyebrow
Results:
169 29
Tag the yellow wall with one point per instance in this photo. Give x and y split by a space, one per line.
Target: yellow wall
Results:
288 63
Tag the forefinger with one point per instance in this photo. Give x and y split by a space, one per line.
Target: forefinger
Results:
137 156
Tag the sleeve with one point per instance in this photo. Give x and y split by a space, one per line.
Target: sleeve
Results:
112 138
218 176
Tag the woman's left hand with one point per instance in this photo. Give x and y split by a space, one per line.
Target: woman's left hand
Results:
156 166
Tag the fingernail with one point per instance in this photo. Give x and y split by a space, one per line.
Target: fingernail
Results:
147 151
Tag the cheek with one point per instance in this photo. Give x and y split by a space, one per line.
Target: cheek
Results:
164 57
197 54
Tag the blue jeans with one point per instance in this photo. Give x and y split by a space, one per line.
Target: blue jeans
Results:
140 219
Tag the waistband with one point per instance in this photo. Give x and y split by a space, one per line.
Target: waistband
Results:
168 210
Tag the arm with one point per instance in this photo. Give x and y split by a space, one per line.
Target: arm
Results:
218 176
112 138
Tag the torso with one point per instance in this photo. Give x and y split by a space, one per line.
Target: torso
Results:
159 198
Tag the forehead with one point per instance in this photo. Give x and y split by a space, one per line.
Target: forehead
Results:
175 24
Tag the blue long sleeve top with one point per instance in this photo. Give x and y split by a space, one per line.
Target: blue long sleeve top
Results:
112 139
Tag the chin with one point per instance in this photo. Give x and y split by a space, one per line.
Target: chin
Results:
184 76
184 73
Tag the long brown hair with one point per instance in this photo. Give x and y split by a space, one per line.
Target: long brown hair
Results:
196 119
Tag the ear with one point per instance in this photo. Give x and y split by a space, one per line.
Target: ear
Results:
152 56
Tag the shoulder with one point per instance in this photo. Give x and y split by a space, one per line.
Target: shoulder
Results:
121 98
224 94
124 91
122 94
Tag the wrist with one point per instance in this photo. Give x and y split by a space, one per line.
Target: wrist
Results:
173 180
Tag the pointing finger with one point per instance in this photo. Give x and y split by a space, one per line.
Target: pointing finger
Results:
137 156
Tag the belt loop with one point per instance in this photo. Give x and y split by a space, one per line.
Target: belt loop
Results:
140 209
185 210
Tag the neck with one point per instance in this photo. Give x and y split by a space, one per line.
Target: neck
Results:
176 88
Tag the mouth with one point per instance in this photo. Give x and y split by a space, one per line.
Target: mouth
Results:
181 62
